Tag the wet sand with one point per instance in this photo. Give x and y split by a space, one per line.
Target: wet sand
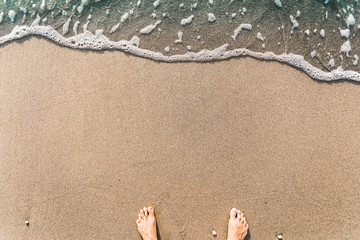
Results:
88 138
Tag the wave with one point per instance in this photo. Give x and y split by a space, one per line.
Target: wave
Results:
99 41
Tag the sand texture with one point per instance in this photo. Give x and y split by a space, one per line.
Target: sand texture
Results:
88 138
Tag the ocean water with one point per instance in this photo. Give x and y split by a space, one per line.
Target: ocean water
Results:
321 37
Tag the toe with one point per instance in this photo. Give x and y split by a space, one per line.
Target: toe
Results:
142 213
238 214
151 211
145 211
233 212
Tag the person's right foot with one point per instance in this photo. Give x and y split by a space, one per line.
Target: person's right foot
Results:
238 227
146 223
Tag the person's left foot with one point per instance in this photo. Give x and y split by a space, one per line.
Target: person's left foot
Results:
146 224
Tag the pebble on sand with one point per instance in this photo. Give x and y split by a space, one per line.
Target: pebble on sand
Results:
279 236
27 223
214 233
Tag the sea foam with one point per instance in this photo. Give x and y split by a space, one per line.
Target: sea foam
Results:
98 41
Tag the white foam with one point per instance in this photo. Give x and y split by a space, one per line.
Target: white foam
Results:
114 28
356 61
138 3
156 3
350 21
66 26
179 40
150 28
75 27
260 37
346 48
81 7
332 63
242 26
124 17
211 2
22 9
298 13
42 6
193 6
278 3
313 54
1 16
85 26
294 22
345 33
187 20
211 17
135 41
98 41
12 15
36 21
322 33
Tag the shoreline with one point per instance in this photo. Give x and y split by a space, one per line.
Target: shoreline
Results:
90 41
88 138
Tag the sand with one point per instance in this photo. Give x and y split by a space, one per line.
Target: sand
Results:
88 138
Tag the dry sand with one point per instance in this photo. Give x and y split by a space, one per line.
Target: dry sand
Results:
88 138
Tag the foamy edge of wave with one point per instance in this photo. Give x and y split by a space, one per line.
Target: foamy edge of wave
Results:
98 41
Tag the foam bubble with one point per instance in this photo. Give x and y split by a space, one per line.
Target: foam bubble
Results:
150 28
124 17
75 27
278 3
156 3
350 21
211 17
345 33
36 21
187 20
356 61
66 26
322 33
179 40
346 48
242 26
260 37
294 22
12 15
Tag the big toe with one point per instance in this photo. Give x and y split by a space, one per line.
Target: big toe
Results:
233 212
151 211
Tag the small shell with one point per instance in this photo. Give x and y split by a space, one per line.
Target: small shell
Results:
27 223
214 233
279 236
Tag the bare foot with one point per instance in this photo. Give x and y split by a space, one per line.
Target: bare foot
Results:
146 224
237 225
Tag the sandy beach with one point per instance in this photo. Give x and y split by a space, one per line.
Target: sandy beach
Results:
88 138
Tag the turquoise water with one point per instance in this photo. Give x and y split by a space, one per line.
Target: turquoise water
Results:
320 37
